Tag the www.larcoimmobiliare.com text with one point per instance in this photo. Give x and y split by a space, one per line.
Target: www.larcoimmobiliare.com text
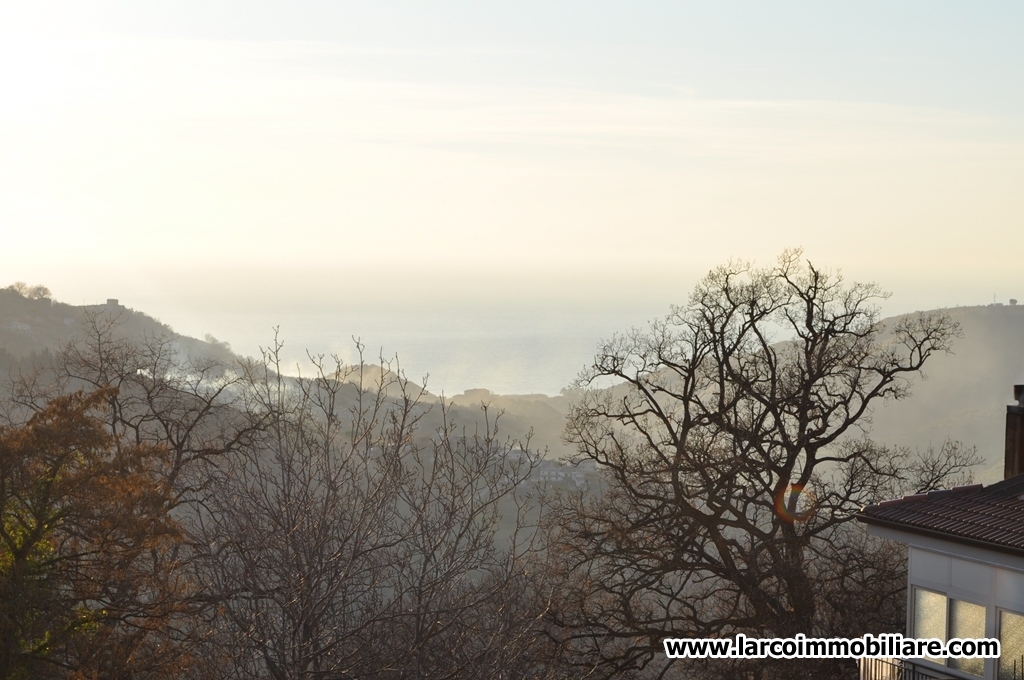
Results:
800 647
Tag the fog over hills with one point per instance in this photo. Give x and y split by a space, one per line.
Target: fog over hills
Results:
33 330
962 395
38 326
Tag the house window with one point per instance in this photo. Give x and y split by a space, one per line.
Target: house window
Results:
929 616
1011 643
967 620
942 618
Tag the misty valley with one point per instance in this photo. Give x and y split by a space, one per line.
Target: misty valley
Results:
171 509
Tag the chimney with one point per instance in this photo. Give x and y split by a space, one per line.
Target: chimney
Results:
1013 462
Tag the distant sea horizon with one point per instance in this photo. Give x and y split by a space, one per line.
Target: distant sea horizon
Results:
518 347
506 352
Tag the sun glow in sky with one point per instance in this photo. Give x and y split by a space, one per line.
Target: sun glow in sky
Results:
197 157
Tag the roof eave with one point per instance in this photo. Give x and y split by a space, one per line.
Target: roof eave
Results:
941 535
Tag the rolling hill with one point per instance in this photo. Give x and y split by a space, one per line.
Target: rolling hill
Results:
962 395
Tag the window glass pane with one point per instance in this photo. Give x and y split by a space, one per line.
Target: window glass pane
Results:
1011 641
929 616
967 620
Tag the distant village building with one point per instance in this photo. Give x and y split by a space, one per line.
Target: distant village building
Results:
551 472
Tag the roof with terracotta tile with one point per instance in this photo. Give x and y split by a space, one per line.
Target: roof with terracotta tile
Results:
991 516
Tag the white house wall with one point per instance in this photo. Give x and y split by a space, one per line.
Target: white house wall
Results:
963 572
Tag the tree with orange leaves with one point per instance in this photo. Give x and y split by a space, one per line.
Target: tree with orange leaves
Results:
89 583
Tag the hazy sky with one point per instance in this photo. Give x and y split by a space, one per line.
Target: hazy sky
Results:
196 157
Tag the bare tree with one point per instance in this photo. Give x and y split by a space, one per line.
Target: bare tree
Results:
736 456
159 395
343 543
156 398
326 531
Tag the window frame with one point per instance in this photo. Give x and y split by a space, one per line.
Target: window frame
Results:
989 670
997 632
